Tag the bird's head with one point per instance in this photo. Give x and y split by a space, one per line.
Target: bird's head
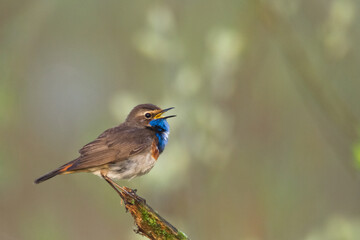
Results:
148 115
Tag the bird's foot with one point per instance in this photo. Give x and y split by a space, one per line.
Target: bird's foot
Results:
132 193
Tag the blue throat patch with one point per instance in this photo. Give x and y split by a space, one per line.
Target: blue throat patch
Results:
162 129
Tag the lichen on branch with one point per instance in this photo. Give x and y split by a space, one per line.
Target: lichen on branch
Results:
148 222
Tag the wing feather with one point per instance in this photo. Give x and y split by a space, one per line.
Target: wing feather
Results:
115 144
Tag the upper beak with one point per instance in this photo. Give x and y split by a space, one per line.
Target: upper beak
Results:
158 116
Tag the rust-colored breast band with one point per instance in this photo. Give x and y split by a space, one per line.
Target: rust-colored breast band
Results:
155 151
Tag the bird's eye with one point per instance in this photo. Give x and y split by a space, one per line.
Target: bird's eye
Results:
147 115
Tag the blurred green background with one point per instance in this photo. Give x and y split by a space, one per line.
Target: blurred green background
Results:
265 145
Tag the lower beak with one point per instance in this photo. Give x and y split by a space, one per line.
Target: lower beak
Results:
168 116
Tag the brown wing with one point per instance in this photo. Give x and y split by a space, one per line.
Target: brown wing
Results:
115 144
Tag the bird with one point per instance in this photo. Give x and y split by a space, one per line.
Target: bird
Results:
126 151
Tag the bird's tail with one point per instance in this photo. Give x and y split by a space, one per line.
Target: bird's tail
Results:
61 170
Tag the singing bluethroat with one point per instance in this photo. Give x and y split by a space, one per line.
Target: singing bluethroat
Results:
123 152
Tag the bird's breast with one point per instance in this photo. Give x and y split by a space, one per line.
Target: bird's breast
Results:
134 166
155 152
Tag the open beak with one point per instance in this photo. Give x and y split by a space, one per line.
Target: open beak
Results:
161 112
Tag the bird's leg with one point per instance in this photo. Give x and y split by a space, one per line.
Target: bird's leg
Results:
114 185
124 190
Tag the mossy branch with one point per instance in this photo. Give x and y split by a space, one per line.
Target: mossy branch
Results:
149 223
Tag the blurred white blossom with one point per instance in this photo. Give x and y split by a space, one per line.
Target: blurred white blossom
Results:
337 27
157 40
337 228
